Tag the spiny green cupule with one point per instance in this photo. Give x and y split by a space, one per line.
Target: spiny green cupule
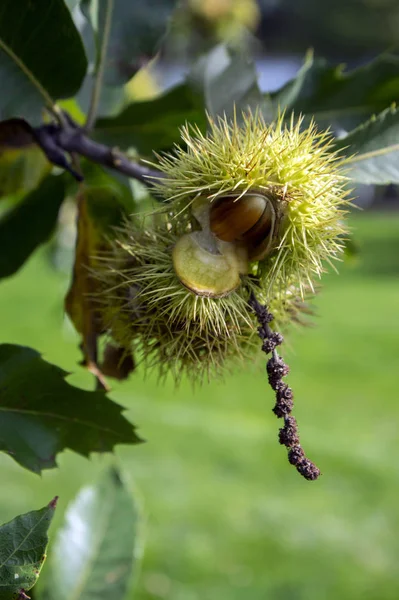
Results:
249 208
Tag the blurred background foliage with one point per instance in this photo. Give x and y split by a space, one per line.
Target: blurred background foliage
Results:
340 29
226 518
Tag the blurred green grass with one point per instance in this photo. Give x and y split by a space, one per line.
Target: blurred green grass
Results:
226 516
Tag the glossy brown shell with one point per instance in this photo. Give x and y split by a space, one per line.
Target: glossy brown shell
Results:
249 219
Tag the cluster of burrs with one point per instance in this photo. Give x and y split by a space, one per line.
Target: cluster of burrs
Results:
276 370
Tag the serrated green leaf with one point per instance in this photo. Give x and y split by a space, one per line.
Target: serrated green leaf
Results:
94 552
23 544
373 149
337 97
29 224
154 124
41 414
228 81
41 56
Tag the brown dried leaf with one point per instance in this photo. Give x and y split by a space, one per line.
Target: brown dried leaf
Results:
79 303
100 208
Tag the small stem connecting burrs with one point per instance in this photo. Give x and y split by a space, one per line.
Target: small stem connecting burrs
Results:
276 370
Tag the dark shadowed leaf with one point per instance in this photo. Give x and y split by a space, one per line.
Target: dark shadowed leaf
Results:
41 56
29 224
94 552
341 98
228 80
23 543
41 414
136 31
154 124
15 133
375 149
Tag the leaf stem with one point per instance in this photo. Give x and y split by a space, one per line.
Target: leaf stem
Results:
96 92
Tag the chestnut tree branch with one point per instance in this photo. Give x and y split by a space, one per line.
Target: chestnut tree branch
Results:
60 140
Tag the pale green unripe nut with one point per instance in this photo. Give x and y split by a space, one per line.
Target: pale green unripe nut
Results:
206 272
235 230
